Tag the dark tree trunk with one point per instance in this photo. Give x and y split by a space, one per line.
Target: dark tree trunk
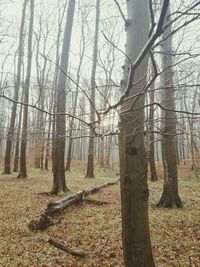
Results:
153 172
46 164
56 72
170 197
82 51
69 153
59 183
17 147
7 168
23 170
90 161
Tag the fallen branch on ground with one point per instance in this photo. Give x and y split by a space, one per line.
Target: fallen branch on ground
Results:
72 252
45 219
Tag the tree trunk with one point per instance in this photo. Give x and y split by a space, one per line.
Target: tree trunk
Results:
17 147
46 164
59 183
170 197
82 51
23 170
90 161
7 169
153 172
133 164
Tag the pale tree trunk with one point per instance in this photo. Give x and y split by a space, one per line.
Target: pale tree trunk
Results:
170 197
192 144
90 161
57 60
23 170
47 154
133 163
59 182
37 145
17 147
7 169
82 45
153 173
41 66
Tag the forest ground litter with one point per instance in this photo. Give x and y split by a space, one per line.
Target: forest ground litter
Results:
92 228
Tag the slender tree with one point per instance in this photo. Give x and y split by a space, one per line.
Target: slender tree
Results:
170 196
153 172
17 146
59 182
7 168
23 169
82 51
90 161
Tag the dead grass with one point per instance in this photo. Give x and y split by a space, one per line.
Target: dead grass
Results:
94 229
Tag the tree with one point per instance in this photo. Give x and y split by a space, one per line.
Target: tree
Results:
90 161
82 51
23 170
133 164
153 172
17 145
7 169
170 196
61 13
59 182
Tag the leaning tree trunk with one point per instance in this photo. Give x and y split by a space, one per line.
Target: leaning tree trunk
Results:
170 197
90 161
59 182
23 171
16 94
133 163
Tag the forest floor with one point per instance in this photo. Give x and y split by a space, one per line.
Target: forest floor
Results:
91 228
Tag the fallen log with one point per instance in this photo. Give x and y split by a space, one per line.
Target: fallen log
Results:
45 219
63 203
73 252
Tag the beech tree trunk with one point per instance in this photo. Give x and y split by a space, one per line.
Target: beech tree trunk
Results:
17 147
90 161
59 182
170 196
153 173
133 163
7 168
82 51
23 170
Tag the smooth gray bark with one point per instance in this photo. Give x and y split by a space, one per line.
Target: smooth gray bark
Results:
133 163
59 182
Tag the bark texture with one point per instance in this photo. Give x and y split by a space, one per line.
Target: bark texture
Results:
170 196
133 163
59 182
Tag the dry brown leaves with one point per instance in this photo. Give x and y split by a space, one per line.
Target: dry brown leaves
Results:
92 228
